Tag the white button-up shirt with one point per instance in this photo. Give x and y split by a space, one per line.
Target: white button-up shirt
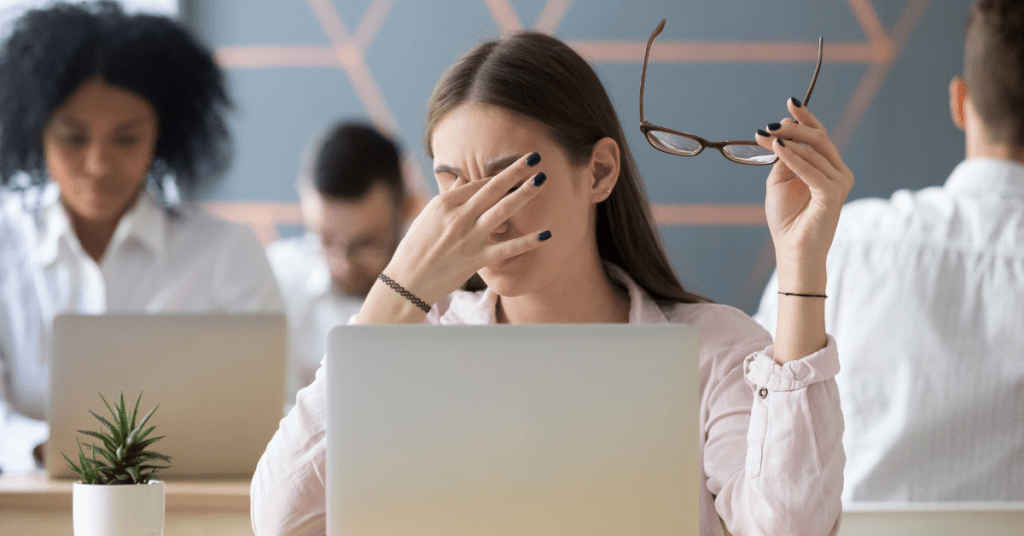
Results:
926 300
770 435
158 261
312 304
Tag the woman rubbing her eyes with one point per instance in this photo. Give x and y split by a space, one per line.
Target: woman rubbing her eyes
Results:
542 209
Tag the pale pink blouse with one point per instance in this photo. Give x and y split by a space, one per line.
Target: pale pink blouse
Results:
771 435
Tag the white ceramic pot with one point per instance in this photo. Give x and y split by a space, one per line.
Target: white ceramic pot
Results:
130 510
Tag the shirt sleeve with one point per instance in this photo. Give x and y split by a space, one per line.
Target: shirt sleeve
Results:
288 495
246 282
773 454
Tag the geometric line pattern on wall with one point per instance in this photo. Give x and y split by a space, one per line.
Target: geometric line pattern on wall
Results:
346 50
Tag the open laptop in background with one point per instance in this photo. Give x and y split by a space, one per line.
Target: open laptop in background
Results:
933 519
512 430
218 379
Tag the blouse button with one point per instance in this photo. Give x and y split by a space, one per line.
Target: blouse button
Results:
763 393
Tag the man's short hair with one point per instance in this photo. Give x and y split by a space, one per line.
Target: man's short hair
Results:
349 158
994 67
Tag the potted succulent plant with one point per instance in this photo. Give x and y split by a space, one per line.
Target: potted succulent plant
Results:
117 493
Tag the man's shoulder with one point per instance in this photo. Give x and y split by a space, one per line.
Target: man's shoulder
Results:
894 217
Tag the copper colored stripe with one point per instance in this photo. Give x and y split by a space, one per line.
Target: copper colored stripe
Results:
257 57
724 52
725 215
551 17
374 18
262 216
329 20
871 84
504 15
869 23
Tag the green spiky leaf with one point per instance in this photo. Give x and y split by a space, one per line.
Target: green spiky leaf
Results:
121 457
135 411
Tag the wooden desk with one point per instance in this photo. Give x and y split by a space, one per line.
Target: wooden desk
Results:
33 504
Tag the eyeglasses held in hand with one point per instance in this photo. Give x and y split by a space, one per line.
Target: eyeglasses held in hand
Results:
683 144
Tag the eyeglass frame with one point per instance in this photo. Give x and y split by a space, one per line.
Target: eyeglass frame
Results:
646 127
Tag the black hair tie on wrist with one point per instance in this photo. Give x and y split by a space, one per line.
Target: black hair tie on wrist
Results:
803 295
405 293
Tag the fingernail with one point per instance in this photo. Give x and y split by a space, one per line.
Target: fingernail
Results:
796 102
762 133
544 236
533 159
780 142
539 178
774 126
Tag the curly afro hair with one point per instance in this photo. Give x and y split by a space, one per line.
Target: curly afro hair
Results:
52 51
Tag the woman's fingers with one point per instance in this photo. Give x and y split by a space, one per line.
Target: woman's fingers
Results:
812 168
497 186
808 130
462 192
511 203
517 246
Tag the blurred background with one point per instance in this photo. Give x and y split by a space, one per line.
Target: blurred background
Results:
721 70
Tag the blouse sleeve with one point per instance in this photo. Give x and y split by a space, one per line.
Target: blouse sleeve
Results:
288 493
773 454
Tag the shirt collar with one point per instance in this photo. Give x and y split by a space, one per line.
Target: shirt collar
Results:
479 307
146 222
988 177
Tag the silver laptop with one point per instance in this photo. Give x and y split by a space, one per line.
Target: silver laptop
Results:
512 430
218 378
933 519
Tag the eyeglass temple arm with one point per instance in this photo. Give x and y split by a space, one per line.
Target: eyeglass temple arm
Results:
643 74
814 79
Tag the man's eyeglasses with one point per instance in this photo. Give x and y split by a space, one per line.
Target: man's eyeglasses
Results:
683 144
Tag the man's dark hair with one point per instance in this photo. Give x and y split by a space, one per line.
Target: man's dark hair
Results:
994 67
351 158
51 52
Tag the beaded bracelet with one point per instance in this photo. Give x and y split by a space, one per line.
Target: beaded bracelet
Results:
803 295
405 293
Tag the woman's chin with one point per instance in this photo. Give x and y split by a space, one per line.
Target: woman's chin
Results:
507 278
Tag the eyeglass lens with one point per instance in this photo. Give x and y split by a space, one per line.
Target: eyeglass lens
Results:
673 143
754 154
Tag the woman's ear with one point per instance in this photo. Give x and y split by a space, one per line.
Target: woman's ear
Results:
604 169
957 98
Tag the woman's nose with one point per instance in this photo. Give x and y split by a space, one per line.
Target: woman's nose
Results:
97 159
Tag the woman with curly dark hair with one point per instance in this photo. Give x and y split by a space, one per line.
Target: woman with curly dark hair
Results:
103 115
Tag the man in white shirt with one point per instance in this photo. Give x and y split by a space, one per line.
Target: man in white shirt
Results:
926 302
354 203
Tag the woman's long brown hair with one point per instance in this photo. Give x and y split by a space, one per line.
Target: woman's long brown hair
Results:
538 76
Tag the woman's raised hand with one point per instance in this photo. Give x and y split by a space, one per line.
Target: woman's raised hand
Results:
805 194
451 239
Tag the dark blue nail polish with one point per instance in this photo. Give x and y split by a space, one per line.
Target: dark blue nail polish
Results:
539 179
533 159
781 144
774 126
544 236
796 102
762 133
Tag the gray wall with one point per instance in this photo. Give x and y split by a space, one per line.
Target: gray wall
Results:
888 112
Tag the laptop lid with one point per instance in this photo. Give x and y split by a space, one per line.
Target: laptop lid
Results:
541 429
928 519
218 379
